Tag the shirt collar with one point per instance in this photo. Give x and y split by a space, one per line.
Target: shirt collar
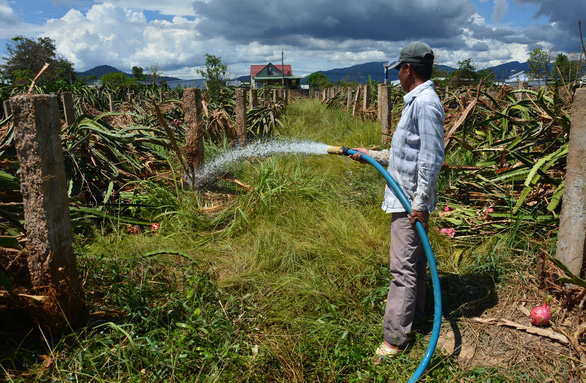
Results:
417 91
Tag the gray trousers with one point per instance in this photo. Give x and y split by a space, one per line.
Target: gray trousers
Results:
406 298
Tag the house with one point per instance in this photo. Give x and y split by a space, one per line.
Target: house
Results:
273 75
515 79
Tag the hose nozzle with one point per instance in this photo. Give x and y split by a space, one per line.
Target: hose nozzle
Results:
341 151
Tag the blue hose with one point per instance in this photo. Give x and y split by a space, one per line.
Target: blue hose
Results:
437 297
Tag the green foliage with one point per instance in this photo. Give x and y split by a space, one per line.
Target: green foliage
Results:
318 81
540 59
215 74
26 57
137 73
278 271
116 80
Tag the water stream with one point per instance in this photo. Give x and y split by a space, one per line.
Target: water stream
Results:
263 148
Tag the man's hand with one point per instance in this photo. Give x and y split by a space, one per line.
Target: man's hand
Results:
421 216
358 156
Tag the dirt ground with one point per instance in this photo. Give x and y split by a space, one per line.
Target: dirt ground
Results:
501 336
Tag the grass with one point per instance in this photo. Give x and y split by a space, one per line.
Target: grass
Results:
281 280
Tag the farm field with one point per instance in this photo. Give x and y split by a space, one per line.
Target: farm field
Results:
275 269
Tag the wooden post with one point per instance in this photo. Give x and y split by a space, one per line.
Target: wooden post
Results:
253 98
366 100
67 99
241 116
571 248
111 102
51 261
192 109
385 107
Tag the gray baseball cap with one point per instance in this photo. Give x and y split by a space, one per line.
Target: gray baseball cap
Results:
416 52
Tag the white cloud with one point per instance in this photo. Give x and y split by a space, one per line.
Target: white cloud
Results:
7 15
500 9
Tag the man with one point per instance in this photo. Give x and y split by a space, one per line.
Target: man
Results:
414 161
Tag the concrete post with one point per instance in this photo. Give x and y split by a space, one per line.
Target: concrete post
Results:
356 98
275 96
51 261
523 85
111 102
385 107
192 109
378 104
349 99
571 248
7 109
253 98
67 99
366 99
241 116
266 97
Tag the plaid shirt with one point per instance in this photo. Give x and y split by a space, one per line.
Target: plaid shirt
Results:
417 150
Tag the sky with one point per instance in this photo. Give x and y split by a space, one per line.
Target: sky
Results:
312 35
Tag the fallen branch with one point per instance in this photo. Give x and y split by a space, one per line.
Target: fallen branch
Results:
531 330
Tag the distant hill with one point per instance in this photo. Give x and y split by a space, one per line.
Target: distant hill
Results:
360 73
504 71
101 70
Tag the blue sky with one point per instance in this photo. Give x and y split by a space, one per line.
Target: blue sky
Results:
314 35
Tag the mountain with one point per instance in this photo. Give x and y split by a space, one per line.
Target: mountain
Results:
504 71
101 70
363 72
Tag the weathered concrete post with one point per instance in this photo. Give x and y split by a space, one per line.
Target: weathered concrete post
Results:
67 99
571 248
192 109
522 86
266 97
111 102
349 99
51 261
356 98
275 96
253 98
366 99
379 106
7 109
241 116
385 107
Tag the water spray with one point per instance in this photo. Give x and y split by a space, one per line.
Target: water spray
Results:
437 298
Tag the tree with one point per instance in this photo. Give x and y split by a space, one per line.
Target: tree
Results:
116 80
27 57
154 72
318 80
539 60
566 69
465 74
215 74
137 73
